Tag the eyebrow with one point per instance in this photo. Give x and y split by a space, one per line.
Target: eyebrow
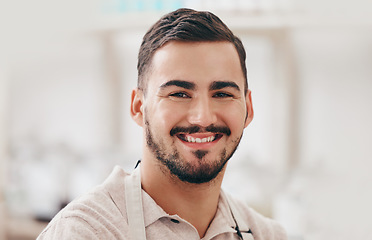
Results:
179 83
223 84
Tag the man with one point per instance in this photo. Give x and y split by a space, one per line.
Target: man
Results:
193 104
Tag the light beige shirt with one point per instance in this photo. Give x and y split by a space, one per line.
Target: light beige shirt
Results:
101 214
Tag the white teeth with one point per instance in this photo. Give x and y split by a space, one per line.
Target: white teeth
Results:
200 140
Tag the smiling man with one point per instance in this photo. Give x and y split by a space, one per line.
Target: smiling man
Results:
193 110
193 104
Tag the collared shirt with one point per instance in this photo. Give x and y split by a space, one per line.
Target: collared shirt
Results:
101 214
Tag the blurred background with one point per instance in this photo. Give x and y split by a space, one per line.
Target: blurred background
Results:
67 69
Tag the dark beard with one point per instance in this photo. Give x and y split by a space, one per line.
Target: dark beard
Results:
186 172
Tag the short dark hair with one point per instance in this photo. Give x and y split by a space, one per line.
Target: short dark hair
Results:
185 25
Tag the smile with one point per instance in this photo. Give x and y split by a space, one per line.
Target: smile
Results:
190 139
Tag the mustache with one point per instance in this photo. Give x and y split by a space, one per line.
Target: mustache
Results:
198 129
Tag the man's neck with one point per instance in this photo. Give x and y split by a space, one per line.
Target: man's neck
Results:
196 203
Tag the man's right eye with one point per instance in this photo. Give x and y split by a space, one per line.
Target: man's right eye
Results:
179 95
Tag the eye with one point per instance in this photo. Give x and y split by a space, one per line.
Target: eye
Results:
222 95
179 95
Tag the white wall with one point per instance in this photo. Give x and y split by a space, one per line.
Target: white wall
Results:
335 96
3 147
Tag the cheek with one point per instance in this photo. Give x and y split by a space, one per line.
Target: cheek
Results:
234 116
166 116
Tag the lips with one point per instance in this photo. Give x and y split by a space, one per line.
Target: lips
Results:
217 130
198 137
194 139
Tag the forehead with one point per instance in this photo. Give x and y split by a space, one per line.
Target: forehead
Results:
198 62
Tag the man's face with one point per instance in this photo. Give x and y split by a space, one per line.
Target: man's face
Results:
195 108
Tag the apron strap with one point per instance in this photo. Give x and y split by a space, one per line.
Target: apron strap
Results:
241 227
133 199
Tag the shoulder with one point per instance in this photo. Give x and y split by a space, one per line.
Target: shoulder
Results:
68 228
262 228
93 215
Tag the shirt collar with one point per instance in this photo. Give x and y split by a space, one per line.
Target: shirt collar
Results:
114 185
151 210
222 222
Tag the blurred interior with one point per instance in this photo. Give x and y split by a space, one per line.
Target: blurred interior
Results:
67 69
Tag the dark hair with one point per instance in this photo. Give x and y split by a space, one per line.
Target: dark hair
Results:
185 25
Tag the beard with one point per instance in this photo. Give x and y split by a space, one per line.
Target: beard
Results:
201 171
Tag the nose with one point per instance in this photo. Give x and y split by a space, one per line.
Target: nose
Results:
201 112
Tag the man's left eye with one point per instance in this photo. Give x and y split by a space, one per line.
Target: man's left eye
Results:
222 95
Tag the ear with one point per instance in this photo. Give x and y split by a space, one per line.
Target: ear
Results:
250 113
136 106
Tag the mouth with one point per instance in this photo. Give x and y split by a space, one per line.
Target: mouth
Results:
201 139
